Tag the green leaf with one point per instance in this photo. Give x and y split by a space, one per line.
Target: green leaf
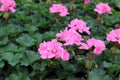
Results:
3 41
48 35
115 67
2 33
11 48
72 78
26 40
118 3
11 58
38 38
119 77
12 28
107 64
29 57
38 66
19 76
69 67
43 66
98 74
2 64
30 28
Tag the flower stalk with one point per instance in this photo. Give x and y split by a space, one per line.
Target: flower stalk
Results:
6 16
89 59
100 19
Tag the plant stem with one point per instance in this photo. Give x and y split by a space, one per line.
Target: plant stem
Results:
73 1
100 19
58 18
114 48
89 59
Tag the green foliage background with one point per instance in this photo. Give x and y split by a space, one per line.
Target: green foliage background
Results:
32 23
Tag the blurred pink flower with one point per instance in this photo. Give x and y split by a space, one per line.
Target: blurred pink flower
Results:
64 55
103 8
114 36
59 8
70 37
98 45
8 5
86 1
53 49
79 25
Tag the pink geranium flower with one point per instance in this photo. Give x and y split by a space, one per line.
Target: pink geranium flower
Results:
79 25
8 5
52 49
86 1
114 36
70 37
60 9
98 45
102 8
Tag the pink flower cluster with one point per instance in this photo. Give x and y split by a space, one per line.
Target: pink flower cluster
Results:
53 49
102 8
8 5
114 36
70 37
97 44
79 25
60 9
86 1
